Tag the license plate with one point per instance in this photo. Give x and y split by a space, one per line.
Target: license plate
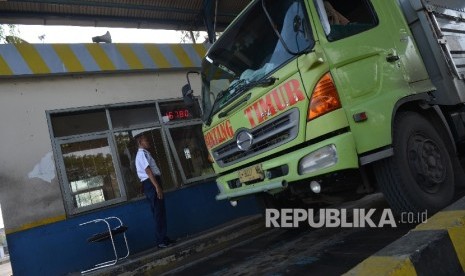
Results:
251 173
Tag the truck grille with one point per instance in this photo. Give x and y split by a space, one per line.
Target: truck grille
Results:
271 135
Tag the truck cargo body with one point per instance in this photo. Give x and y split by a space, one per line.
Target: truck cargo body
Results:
439 31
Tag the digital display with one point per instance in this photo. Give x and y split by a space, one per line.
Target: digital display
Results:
177 110
178 114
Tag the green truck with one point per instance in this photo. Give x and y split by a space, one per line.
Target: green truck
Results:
324 101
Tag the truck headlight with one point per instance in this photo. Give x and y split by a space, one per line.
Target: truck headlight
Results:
319 159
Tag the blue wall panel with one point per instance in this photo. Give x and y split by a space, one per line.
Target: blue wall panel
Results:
61 248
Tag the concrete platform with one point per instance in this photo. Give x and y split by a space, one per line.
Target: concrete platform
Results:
303 251
436 247
188 250
5 268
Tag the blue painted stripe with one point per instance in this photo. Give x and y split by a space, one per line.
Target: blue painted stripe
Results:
67 251
84 57
51 58
14 59
170 56
115 57
143 56
192 54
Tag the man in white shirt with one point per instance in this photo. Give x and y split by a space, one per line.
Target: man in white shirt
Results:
149 174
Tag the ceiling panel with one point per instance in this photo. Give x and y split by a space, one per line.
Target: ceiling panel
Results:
163 14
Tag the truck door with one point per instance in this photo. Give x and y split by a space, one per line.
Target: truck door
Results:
357 40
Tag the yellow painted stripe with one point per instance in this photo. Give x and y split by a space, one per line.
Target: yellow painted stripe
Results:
129 56
200 50
157 56
444 220
181 55
381 265
36 224
457 236
454 223
68 58
32 58
72 63
4 68
100 57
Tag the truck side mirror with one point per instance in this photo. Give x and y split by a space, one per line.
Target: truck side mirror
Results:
187 92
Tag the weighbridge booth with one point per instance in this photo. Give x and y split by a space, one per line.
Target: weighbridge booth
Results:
69 114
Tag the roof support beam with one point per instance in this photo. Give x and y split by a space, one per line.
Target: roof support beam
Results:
116 5
209 18
107 5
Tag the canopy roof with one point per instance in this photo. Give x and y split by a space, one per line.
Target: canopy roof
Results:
152 14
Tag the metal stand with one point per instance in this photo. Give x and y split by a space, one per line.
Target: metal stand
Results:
120 229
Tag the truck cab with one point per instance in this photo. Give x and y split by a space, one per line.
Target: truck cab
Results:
319 99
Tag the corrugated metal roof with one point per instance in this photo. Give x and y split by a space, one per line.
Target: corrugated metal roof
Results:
165 14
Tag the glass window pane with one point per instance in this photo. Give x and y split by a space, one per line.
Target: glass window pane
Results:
127 149
89 198
75 123
179 111
90 172
191 150
342 19
133 116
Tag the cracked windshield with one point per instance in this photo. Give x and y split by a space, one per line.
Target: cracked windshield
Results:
251 50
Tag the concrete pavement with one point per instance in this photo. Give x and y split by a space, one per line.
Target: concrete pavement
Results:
5 269
300 251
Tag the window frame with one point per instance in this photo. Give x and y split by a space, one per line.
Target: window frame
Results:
65 183
111 107
324 21
167 135
109 134
185 180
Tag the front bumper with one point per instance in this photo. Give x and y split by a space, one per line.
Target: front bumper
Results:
347 158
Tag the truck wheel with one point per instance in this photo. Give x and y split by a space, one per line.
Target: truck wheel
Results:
419 175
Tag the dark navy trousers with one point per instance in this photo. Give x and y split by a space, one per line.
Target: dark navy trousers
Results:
158 209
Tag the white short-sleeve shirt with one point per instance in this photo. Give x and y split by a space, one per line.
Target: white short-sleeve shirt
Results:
143 160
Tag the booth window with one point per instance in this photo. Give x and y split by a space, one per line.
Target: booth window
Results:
127 150
95 149
75 123
192 159
125 117
90 172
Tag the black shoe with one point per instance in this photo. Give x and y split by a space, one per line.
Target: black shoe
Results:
163 245
169 241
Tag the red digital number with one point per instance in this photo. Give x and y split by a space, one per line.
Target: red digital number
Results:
177 114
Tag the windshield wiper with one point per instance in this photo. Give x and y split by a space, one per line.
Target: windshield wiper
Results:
236 89
217 99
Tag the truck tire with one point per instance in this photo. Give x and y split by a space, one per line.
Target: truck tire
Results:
419 176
